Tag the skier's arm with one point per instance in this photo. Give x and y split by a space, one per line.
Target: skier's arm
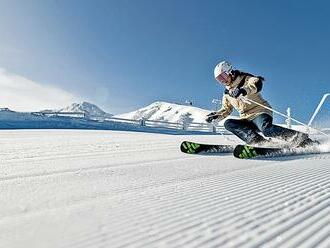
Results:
226 108
253 85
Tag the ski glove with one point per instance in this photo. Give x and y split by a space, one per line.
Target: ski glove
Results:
212 116
237 92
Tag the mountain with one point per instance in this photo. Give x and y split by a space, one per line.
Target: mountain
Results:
161 111
87 108
39 120
169 112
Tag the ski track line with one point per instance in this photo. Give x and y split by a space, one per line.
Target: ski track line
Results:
166 181
120 190
89 145
84 236
147 224
232 196
172 235
315 227
267 202
92 168
216 194
264 212
119 227
89 153
161 184
238 186
214 216
299 215
320 239
106 195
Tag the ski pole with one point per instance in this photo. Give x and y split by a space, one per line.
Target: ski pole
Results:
281 114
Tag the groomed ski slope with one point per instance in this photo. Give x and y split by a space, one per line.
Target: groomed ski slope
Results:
74 188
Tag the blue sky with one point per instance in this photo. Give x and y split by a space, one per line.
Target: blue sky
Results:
123 55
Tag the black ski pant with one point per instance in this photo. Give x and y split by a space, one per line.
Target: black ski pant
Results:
247 130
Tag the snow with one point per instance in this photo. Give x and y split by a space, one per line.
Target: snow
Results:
92 188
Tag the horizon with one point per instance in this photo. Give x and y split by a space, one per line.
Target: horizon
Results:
123 56
321 121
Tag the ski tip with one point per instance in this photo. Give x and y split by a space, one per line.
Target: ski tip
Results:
238 150
183 147
244 152
190 147
187 147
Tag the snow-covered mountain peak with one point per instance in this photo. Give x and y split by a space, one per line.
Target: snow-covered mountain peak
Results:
169 112
83 107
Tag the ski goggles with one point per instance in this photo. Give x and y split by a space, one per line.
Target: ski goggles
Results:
223 78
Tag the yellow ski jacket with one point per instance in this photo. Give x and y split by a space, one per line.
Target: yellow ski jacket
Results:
246 110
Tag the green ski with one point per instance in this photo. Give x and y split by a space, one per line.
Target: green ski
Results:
247 151
198 148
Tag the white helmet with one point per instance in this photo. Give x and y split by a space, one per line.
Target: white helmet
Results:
223 66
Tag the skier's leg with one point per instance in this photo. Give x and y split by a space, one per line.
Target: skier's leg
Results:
245 130
264 122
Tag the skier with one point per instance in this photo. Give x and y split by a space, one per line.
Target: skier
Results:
253 117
